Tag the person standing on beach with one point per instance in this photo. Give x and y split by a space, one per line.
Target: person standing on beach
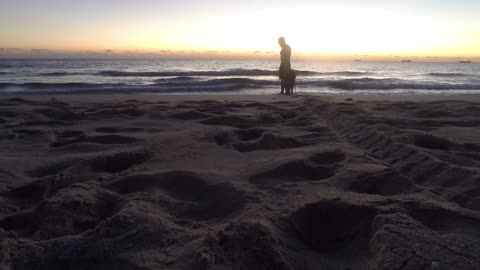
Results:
285 64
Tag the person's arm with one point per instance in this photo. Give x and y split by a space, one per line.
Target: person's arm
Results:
289 54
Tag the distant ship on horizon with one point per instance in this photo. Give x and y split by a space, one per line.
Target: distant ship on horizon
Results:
406 61
357 60
465 61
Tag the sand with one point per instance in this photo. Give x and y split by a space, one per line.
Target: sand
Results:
239 182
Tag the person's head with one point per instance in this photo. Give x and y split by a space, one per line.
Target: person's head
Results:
282 42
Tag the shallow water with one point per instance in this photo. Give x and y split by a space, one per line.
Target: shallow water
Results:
234 76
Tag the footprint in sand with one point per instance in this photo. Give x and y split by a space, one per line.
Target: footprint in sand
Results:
317 167
328 226
243 135
189 115
188 193
118 130
103 139
387 183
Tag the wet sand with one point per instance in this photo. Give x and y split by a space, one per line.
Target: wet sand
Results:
240 182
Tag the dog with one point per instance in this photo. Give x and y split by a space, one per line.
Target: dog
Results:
288 81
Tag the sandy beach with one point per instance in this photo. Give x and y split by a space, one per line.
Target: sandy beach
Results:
240 182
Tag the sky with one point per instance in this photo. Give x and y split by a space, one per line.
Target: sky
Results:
377 29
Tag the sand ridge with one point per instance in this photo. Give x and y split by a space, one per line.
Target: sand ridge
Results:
291 183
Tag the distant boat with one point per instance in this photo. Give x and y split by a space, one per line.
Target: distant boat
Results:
357 60
406 61
465 62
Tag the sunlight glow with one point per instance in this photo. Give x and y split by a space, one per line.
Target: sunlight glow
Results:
311 28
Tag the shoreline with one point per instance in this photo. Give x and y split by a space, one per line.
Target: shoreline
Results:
260 97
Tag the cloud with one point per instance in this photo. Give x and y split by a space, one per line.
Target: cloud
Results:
10 49
40 50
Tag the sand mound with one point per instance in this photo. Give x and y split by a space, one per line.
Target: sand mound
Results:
400 239
242 245
71 211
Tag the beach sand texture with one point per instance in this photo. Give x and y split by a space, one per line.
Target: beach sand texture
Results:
239 183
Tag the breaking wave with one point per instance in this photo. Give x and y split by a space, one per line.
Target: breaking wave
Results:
448 75
191 84
225 73
61 74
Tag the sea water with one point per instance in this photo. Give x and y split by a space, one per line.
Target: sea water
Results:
179 76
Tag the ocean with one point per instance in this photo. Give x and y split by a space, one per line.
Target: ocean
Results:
233 77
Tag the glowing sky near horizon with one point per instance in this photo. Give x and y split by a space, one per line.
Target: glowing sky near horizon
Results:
374 27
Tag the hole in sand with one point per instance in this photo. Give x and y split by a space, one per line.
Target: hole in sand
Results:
437 218
190 194
231 121
121 161
268 141
386 183
431 142
330 157
334 225
238 135
190 115
295 171
51 169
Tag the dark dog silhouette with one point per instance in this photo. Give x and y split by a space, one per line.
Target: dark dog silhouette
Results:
288 81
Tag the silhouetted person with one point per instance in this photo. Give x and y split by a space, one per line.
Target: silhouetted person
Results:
285 64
